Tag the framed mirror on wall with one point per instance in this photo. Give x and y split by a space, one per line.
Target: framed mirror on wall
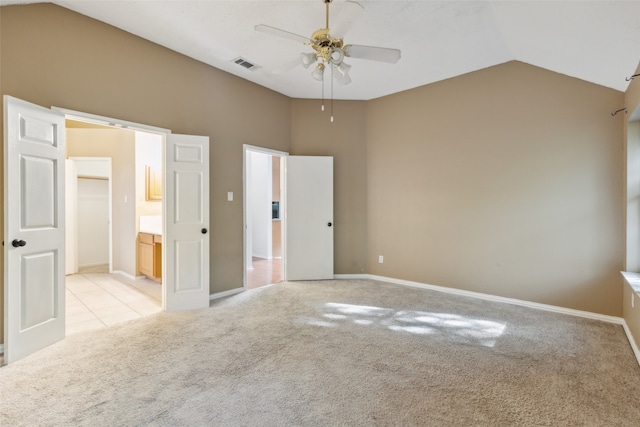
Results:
153 183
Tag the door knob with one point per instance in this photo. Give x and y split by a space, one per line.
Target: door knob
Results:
18 243
329 224
203 231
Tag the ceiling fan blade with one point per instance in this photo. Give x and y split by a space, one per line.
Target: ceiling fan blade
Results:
287 66
372 53
348 15
281 33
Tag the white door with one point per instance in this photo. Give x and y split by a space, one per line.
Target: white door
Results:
309 218
186 234
34 305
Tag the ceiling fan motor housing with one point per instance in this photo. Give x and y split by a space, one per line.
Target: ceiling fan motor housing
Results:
324 44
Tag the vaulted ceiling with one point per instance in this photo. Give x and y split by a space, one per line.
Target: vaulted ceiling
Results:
596 41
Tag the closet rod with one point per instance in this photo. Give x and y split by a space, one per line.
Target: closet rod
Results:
99 178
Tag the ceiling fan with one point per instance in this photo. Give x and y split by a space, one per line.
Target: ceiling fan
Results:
329 48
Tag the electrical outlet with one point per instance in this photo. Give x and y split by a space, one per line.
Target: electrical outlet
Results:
380 259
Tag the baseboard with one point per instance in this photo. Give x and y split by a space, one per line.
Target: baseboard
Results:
223 294
632 342
489 297
127 275
351 276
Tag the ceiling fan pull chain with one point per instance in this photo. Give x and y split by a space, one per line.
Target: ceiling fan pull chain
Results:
332 67
322 107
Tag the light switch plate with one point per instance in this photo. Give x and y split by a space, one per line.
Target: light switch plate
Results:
230 196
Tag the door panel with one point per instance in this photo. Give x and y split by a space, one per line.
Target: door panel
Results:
186 240
38 182
34 232
189 266
38 289
309 218
188 190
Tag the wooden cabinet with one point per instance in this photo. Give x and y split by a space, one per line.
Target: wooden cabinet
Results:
150 255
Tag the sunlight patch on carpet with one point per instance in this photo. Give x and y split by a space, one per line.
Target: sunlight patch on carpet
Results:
477 331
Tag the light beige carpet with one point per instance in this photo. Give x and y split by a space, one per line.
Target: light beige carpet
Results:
335 353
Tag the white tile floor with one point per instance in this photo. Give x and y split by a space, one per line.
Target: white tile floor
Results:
96 301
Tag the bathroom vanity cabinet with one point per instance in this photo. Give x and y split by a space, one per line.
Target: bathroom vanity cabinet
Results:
150 255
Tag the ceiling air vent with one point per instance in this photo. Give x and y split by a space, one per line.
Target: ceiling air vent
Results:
246 64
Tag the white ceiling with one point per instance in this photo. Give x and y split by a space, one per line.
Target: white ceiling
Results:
597 41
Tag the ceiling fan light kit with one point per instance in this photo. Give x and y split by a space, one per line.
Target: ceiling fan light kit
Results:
330 50
318 73
307 59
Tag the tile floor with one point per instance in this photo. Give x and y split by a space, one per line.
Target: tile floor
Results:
98 300
265 272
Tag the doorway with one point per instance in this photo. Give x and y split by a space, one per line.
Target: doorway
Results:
88 201
97 294
264 202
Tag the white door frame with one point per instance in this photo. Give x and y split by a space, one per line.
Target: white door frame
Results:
245 206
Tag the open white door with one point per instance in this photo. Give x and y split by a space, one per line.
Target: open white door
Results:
309 218
186 234
34 304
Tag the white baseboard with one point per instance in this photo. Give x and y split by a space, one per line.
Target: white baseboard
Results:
489 297
127 275
632 342
351 276
223 294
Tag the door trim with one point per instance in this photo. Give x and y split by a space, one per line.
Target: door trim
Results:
271 152
108 121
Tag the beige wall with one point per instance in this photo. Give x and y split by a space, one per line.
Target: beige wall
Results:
148 153
119 145
345 139
506 181
55 57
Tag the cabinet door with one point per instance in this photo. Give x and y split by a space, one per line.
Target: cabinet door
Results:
157 261
145 259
